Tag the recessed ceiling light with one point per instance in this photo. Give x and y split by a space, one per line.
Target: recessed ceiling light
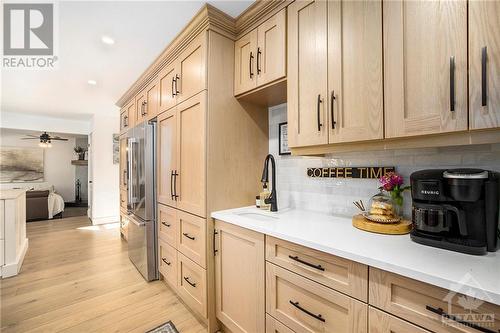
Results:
107 40
92 82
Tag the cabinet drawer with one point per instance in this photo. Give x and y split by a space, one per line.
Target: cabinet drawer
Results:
307 306
417 302
192 284
337 273
274 326
381 322
167 224
191 237
124 225
167 263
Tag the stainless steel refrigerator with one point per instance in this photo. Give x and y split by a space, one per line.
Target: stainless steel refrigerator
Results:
141 155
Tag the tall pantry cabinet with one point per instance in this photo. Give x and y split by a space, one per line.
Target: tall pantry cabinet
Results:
210 150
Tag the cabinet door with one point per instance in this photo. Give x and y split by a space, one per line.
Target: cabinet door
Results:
167 157
167 88
123 162
307 73
271 49
239 277
140 104
191 69
244 63
123 120
151 101
484 64
131 117
381 322
355 71
190 184
425 67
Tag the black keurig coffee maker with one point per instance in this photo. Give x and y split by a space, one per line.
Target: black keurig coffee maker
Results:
456 209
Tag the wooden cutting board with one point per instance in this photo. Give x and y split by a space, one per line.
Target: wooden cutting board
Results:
400 228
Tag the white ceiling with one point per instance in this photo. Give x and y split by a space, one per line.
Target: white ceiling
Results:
141 30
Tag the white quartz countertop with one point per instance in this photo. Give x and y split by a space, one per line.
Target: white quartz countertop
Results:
11 194
476 276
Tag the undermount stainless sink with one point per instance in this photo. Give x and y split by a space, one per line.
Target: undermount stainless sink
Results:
257 216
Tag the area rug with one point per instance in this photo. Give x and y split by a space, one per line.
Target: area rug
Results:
168 327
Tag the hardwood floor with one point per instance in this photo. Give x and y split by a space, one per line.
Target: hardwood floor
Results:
77 278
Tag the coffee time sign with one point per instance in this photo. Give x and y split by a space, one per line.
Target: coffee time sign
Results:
350 172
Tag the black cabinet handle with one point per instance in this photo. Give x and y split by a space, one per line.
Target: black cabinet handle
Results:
125 121
319 113
175 185
250 67
166 262
443 314
215 235
332 101
484 58
145 108
187 236
172 185
173 82
177 77
316 316
193 284
259 53
452 84
166 224
296 258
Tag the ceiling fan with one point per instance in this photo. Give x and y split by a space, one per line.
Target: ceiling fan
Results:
45 139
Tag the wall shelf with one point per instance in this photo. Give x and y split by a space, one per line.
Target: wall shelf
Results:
80 162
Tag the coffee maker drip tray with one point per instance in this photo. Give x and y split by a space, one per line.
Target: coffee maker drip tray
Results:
469 246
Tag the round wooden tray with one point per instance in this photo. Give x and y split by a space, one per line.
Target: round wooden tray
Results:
400 228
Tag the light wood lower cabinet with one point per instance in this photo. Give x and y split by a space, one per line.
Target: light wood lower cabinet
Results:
191 237
239 277
307 306
424 304
167 263
167 157
168 225
274 326
192 284
124 224
381 322
340 274
425 67
484 64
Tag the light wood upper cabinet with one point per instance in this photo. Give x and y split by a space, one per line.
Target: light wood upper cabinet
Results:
307 73
244 62
167 157
127 116
166 82
484 64
190 72
190 184
271 49
425 67
239 278
355 99
260 55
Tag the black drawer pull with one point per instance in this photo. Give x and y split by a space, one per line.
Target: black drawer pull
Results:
173 82
317 316
187 236
443 314
484 59
191 283
172 195
166 262
166 224
250 63
296 258
332 101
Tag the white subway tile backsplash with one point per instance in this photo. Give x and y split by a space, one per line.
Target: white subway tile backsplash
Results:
335 196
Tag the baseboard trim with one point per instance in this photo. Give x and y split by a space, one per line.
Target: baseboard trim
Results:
105 220
12 269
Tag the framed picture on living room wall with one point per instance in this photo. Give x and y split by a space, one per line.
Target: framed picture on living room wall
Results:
21 164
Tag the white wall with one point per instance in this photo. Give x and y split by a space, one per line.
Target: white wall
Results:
105 195
58 170
335 196
22 121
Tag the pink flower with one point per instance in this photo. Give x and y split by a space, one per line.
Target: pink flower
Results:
391 180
